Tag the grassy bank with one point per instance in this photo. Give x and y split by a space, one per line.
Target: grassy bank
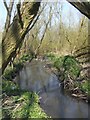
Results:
17 103
23 104
10 72
69 72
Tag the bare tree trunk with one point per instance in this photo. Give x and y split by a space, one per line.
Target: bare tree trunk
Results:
16 33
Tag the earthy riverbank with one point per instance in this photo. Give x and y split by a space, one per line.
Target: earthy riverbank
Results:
13 98
68 70
17 103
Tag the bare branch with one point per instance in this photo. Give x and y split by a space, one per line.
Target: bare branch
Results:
11 6
5 4
16 35
81 26
36 51
8 18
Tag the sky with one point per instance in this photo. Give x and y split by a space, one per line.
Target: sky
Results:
67 11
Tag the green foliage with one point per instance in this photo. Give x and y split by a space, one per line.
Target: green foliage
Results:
29 107
58 63
23 101
72 66
25 58
18 66
9 73
68 63
35 111
85 86
9 87
24 104
51 57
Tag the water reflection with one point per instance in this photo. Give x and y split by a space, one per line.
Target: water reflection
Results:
36 78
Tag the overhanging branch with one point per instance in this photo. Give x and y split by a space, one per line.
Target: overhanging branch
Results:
83 7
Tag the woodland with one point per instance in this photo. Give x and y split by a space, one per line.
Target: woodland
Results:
43 31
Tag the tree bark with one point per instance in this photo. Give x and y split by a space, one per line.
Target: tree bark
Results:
16 33
18 29
83 7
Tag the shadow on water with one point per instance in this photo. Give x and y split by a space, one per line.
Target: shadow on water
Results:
35 77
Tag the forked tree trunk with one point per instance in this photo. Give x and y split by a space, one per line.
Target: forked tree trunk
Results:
17 31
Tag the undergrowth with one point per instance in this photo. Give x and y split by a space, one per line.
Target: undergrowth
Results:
69 71
17 103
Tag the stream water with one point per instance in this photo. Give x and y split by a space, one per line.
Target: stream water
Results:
35 77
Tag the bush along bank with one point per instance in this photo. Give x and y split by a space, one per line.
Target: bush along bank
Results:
17 103
70 75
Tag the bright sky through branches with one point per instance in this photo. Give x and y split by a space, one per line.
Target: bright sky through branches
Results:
67 10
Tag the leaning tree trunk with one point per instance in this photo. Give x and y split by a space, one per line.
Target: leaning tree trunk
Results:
19 27
17 31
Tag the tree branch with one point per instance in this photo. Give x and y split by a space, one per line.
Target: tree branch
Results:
16 35
19 14
36 51
8 18
5 4
37 17
83 7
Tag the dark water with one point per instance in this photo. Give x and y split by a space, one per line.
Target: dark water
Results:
35 77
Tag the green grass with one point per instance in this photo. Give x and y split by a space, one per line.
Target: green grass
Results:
20 104
85 86
10 72
71 67
25 58
25 103
9 87
68 63
29 107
